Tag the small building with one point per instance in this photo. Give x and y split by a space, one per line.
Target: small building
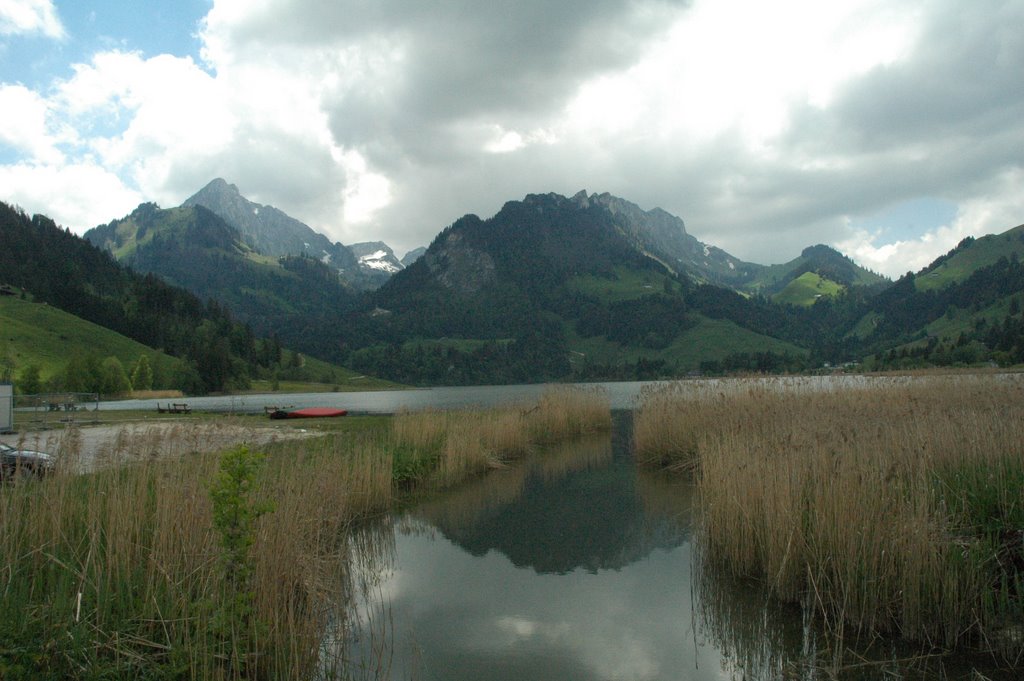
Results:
6 408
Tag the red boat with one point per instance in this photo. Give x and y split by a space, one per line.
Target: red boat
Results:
308 413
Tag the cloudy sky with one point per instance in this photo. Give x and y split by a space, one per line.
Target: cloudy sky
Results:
889 129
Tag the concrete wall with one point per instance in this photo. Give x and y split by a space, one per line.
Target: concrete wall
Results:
6 407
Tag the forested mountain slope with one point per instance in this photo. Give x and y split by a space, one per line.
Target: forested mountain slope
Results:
297 298
55 267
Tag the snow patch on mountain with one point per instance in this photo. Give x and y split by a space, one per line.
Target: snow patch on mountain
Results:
378 260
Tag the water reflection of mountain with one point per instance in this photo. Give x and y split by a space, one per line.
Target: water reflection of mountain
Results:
582 506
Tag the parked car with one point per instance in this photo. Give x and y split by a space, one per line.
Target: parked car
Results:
15 463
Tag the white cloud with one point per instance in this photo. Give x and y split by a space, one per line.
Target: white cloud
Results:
367 191
732 65
19 17
24 124
995 211
127 124
762 125
163 127
81 195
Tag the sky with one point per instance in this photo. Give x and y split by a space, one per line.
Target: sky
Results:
888 129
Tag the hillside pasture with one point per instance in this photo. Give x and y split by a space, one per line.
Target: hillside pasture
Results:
37 333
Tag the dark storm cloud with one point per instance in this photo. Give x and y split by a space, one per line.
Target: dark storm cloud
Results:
951 110
459 63
964 78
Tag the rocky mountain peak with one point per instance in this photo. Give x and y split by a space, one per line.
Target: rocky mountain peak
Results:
273 232
378 256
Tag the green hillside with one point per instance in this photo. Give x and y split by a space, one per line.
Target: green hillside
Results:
707 340
823 261
970 255
623 283
554 289
216 352
39 334
806 289
298 299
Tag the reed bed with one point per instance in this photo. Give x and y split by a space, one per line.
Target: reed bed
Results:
893 508
440 449
114 568
115 573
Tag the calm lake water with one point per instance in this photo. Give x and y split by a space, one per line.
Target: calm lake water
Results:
622 395
574 565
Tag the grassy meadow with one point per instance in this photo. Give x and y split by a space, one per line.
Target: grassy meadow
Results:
707 339
39 334
227 565
806 289
893 507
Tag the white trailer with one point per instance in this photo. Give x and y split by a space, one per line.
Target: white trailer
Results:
6 408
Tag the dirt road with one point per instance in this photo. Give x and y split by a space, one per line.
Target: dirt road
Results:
93 446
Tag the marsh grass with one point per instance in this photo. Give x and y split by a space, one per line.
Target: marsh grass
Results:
111 567
114 573
893 508
439 449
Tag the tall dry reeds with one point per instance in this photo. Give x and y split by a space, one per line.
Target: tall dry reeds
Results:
895 507
112 567
114 573
444 448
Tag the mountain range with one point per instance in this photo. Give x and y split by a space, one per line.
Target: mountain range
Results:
554 287
275 233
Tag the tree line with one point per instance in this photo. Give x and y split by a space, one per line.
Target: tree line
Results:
216 352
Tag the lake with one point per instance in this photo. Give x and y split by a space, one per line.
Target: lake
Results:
622 395
573 564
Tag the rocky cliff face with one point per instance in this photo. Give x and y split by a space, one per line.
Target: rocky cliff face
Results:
275 233
459 266
663 236
376 261
413 255
269 230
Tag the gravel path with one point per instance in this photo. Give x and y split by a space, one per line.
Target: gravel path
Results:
99 445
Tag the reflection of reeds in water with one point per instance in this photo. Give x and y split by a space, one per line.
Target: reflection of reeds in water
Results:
445 448
665 498
755 641
556 461
358 642
897 509
761 640
465 505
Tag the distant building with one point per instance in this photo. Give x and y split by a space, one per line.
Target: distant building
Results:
6 407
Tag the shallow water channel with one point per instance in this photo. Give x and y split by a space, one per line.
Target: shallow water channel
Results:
572 564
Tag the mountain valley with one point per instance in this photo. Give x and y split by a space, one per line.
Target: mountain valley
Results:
568 288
